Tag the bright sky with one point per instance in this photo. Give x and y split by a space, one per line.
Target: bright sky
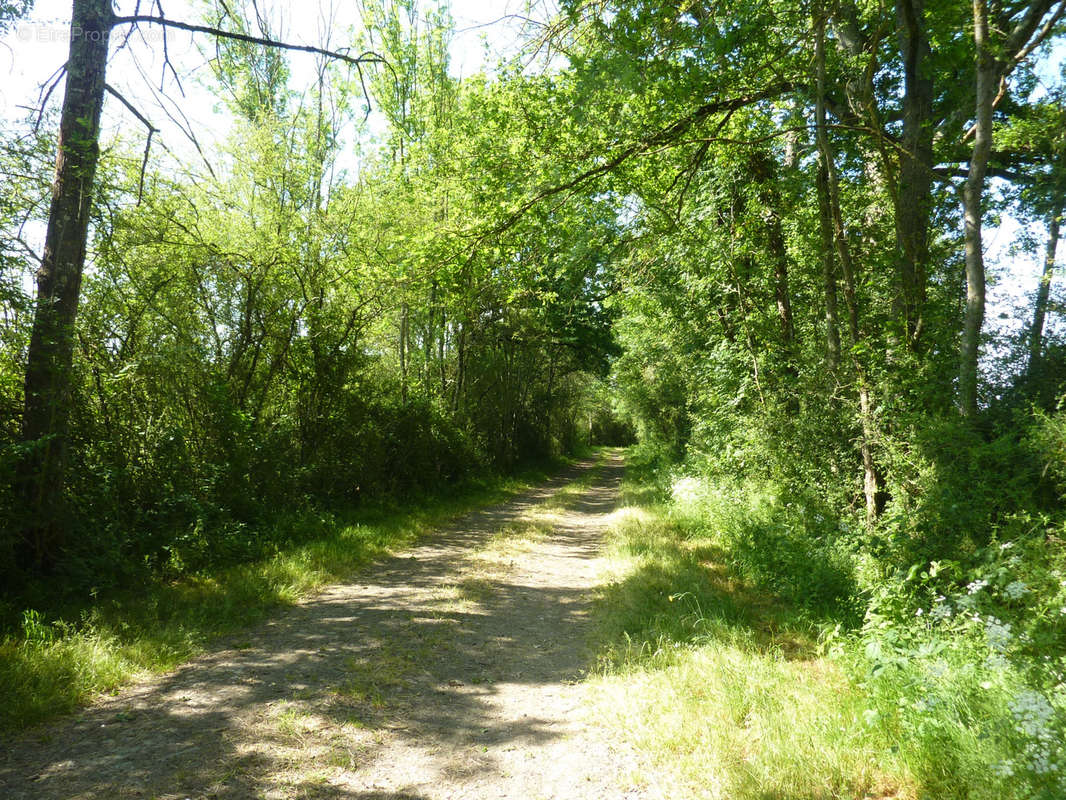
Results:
485 29
32 52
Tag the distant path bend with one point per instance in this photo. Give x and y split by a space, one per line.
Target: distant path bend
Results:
451 670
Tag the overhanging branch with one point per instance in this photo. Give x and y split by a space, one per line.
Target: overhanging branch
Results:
367 57
662 138
152 129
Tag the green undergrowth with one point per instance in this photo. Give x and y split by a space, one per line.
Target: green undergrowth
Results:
60 658
740 658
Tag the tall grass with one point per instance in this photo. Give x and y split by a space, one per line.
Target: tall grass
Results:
735 660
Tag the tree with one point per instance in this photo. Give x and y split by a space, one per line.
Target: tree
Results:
47 411
999 49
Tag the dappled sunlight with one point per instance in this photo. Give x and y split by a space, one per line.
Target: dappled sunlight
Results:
430 657
628 515
721 685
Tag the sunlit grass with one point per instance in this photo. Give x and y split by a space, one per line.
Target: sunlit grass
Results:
721 688
725 720
726 684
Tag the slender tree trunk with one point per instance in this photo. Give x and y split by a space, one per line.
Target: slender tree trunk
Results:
763 171
1043 292
873 482
442 344
460 367
784 303
46 418
972 199
829 281
403 352
431 335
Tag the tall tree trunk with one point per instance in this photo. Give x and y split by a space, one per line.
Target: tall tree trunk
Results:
430 336
829 281
460 367
914 196
442 343
762 168
1043 292
873 481
46 417
972 199
404 322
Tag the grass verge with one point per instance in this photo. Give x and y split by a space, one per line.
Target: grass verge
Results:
720 686
60 661
741 659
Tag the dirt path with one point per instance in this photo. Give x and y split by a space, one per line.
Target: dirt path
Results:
450 671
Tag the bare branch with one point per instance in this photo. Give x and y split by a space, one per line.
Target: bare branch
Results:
29 250
152 129
368 57
52 83
184 125
118 96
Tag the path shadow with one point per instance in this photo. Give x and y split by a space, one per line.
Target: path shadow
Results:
400 651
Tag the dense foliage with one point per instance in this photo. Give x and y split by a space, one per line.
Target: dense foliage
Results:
300 325
749 234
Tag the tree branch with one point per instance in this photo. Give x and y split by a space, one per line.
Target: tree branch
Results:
1023 40
664 137
45 94
368 57
152 130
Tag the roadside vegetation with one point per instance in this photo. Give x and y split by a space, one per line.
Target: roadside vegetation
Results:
784 671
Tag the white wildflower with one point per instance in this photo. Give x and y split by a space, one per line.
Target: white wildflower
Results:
1003 769
685 491
1016 589
976 586
1041 759
1032 713
997 633
942 610
997 661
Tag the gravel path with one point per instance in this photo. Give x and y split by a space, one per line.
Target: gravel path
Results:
449 671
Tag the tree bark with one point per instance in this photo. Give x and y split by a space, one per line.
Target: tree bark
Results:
762 168
829 281
46 416
1043 292
404 322
914 195
972 199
